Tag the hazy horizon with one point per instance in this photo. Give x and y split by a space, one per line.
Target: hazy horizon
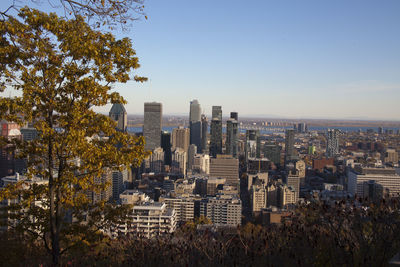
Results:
309 59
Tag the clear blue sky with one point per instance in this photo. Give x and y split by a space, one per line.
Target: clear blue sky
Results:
298 59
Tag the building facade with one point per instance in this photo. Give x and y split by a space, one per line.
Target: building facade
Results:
216 131
195 124
119 115
222 210
152 125
232 135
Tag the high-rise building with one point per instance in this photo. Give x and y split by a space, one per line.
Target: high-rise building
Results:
119 115
293 180
179 160
195 124
152 125
302 127
204 133
166 146
273 153
290 153
332 143
232 135
192 151
157 160
225 166
180 138
216 131
201 163
286 196
106 194
120 181
258 197
253 144
223 209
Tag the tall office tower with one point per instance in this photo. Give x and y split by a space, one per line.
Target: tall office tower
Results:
157 160
179 160
380 130
216 131
166 146
273 153
225 166
293 180
120 181
152 125
232 135
234 115
204 132
332 143
253 144
119 115
192 151
180 138
301 128
289 145
195 124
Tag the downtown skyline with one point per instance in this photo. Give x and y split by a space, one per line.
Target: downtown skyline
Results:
334 60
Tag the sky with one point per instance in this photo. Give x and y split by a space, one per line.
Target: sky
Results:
285 58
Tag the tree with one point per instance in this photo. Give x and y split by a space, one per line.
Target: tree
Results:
109 13
63 68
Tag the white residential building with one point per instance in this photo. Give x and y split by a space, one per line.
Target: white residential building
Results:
184 207
150 219
222 209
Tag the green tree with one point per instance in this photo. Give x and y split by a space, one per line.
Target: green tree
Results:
64 68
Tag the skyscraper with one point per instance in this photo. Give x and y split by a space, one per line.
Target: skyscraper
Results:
180 138
152 125
216 131
179 161
192 151
195 124
302 127
289 145
273 153
332 143
253 144
166 146
119 115
204 132
232 135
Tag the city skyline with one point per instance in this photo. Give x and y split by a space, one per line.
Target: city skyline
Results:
334 60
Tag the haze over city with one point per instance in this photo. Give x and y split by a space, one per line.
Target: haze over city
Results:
308 59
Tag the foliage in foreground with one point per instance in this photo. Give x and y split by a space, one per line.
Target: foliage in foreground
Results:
62 69
317 235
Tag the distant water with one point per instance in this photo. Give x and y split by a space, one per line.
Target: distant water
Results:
268 130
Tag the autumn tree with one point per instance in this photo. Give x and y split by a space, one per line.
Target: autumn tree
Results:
62 69
99 13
